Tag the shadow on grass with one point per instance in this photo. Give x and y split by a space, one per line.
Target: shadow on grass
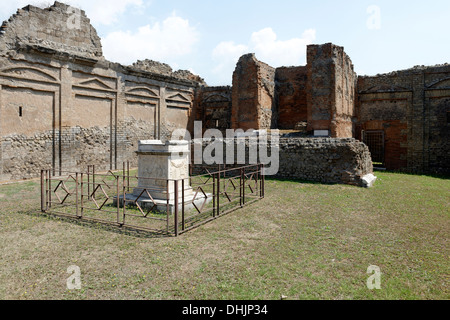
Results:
105 226
431 175
272 178
398 172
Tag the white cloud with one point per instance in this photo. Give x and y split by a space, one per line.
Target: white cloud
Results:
8 8
267 47
161 41
225 55
104 12
281 53
101 12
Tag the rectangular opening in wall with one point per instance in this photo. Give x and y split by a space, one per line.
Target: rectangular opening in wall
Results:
321 133
20 111
375 141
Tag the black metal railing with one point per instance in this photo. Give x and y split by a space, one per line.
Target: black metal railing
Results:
163 206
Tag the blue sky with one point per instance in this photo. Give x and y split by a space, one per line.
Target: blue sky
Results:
208 37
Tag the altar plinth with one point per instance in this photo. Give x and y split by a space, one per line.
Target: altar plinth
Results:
159 166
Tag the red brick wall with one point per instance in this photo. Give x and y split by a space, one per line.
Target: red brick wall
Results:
386 109
253 100
292 97
331 90
395 141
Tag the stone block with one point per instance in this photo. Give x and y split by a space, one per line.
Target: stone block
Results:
368 180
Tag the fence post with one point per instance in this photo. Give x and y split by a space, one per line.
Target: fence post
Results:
124 191
182 206
89 181
214 195
218 193
49 188
167 204
76 193
257 179
47 191
240 187
176 207
42 191
82 195
93 181
117 199
243 186
128 176
260 180
263 180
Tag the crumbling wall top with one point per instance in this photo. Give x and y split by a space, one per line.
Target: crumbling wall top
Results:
166 70
59 27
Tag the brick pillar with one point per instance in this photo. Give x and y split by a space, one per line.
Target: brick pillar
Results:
331 90
253 95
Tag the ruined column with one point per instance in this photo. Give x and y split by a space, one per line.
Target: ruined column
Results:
331 91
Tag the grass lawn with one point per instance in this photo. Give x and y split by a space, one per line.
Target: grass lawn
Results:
304 241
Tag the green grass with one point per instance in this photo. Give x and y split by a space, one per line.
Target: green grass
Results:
304 241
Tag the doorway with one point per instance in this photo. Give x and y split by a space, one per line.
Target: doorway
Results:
374 139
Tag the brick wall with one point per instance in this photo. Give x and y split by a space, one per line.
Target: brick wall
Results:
253 95
325 160
331 90
410 107
213 107
64 106
291 91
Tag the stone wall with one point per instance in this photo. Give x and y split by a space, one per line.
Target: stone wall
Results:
58 28
166 70
93 113
213 107
331 90
291 91
324 160
64 106
253 95
267 117
411 108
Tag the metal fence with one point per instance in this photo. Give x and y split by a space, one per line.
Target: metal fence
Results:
374 139
168 207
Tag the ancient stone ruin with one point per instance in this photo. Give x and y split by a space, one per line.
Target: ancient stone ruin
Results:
64 106
403 117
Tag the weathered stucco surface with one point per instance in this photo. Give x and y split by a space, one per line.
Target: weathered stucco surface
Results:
63 105
58 28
